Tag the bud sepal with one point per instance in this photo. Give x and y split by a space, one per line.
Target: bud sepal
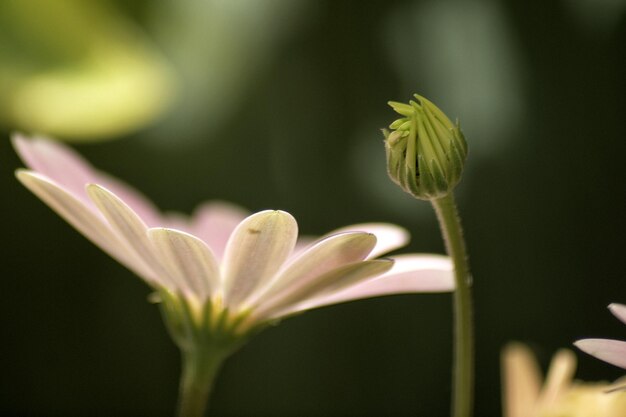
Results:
426 152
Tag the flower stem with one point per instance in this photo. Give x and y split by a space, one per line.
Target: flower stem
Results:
463 365
199 368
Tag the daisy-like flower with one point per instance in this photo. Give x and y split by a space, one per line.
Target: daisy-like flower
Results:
525 395
221 274
611 351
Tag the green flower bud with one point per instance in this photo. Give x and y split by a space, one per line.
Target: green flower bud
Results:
425 150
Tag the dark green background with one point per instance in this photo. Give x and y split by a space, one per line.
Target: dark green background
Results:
544 218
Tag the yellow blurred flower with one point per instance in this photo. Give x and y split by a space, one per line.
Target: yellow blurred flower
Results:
526 395
78 70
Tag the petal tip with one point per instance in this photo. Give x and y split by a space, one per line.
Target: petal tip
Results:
168 231
275 215
27 176
20 142
618 310
24 143
283 213
589 346
17 137
158 230
96 190
22 173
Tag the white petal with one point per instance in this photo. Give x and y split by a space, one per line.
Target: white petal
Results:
409 274
214 223
91 225
326 255
283 303
388 236
611 351
134 231
619 311
255 252
188 259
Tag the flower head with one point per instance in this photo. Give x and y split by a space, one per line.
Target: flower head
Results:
524 394
611 351
425 150
222 273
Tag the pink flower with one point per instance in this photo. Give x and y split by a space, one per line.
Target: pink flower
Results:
238 265
611 351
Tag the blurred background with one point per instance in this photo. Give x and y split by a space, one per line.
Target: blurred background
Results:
279 104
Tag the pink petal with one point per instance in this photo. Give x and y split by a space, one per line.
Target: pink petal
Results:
410 274
388 236
57 162
611 351
334 280
619 311
214 222
91 224
419 273
72 172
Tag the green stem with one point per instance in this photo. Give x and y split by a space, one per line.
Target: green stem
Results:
199 368
463 367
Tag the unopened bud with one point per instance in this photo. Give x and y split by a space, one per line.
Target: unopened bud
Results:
425 151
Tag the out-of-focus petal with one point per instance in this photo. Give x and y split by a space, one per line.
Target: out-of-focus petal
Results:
559 378
282 303
521 379
134 231
57 162
214 222
611 351
71 171
189 260
255 252
619 311
388 236
409 274
326 255
91 224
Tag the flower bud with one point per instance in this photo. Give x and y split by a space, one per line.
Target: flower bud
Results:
425 150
